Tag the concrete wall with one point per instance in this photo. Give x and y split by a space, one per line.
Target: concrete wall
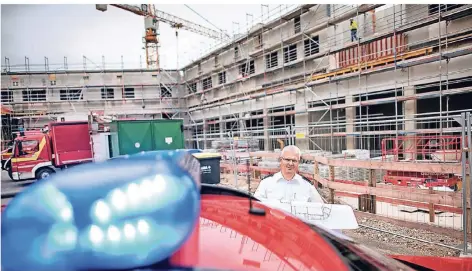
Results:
146 98
79 79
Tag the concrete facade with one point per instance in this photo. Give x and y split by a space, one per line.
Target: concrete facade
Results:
130 93
300 93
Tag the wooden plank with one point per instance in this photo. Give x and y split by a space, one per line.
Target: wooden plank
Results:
446 203
455 201
403 189
400 189
431 207
410 203
431 212
454 168
385 165
437 198
377 62
372 183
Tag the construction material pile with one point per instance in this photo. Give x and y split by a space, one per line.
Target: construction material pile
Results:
234 150
225 144
357 154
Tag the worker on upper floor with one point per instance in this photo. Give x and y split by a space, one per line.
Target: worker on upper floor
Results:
286 185
353 28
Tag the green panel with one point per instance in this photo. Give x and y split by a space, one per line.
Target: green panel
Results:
168 134
134 136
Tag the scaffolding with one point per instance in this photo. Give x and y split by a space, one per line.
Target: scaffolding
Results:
340 120
41 93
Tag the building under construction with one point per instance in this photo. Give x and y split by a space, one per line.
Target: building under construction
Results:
302 77
374 95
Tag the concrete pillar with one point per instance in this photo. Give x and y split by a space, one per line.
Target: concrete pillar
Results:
301 119
303 142
205 131
409 111
222 127
242 124
350 117
266 131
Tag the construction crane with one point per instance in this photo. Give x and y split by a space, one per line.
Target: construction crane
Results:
152 17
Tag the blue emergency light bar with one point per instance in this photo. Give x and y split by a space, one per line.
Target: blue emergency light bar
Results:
118 214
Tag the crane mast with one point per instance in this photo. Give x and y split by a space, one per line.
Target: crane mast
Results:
152 17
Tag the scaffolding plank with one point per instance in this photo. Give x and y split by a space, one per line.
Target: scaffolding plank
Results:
460 52
421 60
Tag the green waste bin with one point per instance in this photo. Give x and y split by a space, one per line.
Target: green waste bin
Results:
210 166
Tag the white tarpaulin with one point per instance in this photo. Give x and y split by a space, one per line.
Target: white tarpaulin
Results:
331 216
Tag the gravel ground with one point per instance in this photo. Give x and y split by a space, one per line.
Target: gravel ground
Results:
385 242
390 244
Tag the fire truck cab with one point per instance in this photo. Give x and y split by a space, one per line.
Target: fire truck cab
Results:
38 155
7 148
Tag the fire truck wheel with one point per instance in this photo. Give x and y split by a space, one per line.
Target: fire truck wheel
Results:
43 173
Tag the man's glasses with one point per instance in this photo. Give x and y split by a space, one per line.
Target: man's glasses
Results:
290 160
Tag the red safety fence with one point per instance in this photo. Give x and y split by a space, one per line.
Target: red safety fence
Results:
372 51
432 148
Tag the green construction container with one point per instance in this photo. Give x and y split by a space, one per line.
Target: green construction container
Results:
134 136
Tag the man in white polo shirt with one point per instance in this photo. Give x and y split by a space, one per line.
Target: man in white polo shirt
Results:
286 185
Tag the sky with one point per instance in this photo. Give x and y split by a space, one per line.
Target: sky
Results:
74 31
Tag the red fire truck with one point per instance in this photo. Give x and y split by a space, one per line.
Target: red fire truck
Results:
37 155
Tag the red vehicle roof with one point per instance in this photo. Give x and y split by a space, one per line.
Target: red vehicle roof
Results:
229 238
